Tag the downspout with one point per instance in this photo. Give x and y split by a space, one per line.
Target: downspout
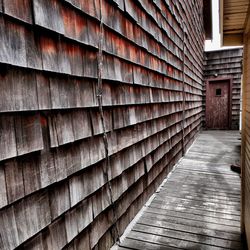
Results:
183 90
115 232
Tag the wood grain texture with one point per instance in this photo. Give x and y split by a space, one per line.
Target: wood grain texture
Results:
81 155
245 164
7 135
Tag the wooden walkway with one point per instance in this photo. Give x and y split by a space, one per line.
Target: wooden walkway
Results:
198 206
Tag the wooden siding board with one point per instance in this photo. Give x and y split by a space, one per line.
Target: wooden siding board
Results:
61 127
75 60
84 214
82 242
62 93
35 243
28 134
9 233
3 192
59 199
31 174
56 238
8 139
81 124
71 225
49 50
13 48
19 91
1 6
14 180
33 50
46 159
19 9
43 92
48 14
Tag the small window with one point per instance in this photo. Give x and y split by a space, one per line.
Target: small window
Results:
218 92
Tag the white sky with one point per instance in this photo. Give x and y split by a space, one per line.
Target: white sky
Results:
215 44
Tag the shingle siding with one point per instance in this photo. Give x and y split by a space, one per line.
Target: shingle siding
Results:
64 181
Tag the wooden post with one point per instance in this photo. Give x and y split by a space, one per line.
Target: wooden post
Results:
243 130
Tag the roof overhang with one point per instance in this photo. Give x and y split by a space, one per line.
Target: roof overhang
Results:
234 15
207 13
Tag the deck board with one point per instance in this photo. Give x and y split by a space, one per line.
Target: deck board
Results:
198 207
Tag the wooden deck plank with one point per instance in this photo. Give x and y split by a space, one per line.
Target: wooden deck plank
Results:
196 180
137 244
207 186
206 195
197 212
190 222
198 207
192 229
182 207
196 217
198 198
202 189
170 242
186 236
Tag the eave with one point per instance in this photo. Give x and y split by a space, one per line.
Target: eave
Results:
233 19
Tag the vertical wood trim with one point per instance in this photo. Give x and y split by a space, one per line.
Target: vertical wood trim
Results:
207 94
243 132
243 135
221 10
183 92
107 165
244 145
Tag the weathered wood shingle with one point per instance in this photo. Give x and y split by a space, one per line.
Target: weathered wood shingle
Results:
64 180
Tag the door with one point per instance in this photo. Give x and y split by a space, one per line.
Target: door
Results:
218 104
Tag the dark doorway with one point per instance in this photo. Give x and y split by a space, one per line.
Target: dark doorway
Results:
218 104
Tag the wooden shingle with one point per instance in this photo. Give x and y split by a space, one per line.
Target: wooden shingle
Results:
8 139
28 134
49 15
13 47
20 9
19 91
8 230
59 199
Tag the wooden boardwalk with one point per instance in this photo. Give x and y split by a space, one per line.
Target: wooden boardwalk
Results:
198 206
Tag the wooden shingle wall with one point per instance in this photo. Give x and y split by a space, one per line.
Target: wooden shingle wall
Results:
94 111
227 64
